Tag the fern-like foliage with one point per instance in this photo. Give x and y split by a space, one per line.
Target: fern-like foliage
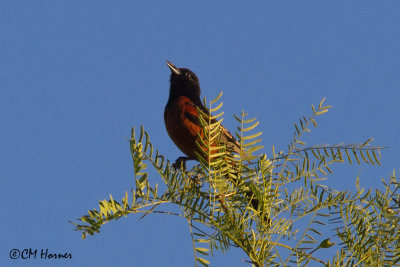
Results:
277 209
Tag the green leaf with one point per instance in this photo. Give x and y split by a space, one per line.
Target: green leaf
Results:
355 155
251 127
203 251
321 112
252 136
204 262
348 156
321 103
217 98
216 108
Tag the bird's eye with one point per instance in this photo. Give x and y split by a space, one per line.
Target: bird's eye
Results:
187 74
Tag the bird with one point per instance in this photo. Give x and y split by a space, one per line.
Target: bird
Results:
181 115
182 121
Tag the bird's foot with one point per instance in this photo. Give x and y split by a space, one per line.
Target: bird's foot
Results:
181 162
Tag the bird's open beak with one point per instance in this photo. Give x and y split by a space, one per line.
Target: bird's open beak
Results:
173 69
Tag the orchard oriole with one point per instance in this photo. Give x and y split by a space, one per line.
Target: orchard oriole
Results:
182 121
182 117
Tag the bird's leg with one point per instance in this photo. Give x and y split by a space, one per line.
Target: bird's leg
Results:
181 161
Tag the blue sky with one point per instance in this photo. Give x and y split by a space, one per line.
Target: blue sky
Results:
75 77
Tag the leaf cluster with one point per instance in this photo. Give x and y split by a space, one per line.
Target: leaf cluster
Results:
278 209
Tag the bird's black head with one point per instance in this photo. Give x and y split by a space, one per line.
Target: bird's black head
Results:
183 83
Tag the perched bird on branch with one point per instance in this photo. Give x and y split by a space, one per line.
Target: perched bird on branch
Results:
181 115
182 120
